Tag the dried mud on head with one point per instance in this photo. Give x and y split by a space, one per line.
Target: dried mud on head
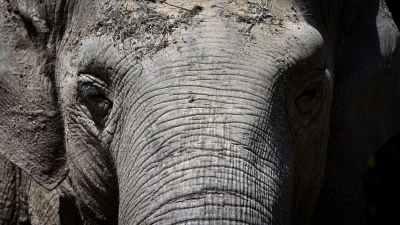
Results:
141 25
147 29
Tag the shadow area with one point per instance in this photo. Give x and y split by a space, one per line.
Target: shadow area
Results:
381 186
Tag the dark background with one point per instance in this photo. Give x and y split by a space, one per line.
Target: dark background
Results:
395 10
381 178
381 184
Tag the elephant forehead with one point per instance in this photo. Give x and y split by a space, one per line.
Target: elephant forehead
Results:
214 45
210 45
150 25
130 12
211 48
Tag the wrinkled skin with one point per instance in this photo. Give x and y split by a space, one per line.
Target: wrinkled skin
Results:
201 112
24 202
13 198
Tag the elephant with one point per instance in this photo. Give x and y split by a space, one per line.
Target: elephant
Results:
200 112
24 202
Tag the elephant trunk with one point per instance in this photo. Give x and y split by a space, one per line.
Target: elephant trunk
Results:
204 137
209 180
205 165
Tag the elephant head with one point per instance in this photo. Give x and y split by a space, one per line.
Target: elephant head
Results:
167 112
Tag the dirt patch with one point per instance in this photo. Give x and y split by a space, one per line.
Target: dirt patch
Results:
259 12
145 28
256 14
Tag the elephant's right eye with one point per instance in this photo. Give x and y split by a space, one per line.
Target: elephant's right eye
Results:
98 105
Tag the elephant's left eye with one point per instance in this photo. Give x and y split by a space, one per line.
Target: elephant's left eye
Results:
306 101
94 99
312 96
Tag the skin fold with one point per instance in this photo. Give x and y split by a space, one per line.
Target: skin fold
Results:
199 112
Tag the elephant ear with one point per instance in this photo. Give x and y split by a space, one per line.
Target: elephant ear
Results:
365 107
31 129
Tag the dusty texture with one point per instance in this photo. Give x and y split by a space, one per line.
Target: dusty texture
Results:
29 119
180 112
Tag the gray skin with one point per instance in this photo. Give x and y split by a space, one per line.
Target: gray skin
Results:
24 202
13 194
164 112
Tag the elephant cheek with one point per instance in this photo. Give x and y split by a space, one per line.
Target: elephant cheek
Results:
93 177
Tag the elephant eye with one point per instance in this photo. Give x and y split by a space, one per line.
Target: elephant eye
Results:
90 92
97 103
313 91
306 101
